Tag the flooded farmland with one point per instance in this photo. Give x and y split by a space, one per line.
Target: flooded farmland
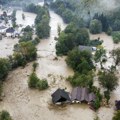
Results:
26 104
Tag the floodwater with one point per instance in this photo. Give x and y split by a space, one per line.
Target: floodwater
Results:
29 18
26 104
7 43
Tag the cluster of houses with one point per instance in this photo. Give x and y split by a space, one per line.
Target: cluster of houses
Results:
6 29
78 95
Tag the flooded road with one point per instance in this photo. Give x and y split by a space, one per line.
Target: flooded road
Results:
26 104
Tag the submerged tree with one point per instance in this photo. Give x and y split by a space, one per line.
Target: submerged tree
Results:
116 56
4 115
100 56
108 80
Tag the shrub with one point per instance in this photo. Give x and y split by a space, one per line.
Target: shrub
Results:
42 84
4 115
33 80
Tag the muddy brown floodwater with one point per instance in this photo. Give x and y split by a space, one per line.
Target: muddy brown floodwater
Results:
26 104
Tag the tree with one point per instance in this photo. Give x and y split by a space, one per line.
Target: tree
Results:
95 26
108 80
116 115
42 84
116 37
116 25
100 56
80 61
28 50
33 80
4 68
4 115
116 56
82 80
23 16
59 30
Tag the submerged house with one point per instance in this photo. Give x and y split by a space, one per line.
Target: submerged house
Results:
3 29
80 94
117 105
60 96
87 48
10 32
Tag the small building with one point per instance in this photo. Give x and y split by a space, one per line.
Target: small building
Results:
60 96
81 94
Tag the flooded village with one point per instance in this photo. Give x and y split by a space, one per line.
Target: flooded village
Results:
24 103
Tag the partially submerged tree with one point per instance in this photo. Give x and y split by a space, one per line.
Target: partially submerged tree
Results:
80 61
4 115
108 80
116 56
116 115
4 68
100 56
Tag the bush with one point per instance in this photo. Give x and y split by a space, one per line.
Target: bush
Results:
4 115
95 26
33 80
42 84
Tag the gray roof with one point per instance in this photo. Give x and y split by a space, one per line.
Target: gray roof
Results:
87 48
76 94
10 30
92 97
60 95
82 95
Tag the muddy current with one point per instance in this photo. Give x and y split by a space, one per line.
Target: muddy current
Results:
26 104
